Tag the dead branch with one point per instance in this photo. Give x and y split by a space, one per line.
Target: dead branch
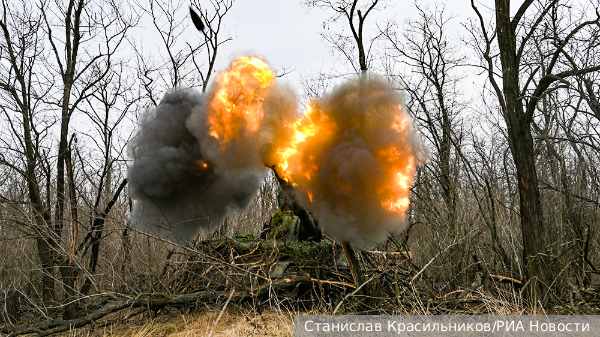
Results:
150 301
221 313
340 283
352 293
445 296
506 279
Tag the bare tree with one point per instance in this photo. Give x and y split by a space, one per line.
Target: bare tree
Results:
183 56
78 46
567 138
518 90
422 61
23 91
432 82
355 48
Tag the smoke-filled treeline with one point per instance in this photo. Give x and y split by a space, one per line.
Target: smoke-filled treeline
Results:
74 121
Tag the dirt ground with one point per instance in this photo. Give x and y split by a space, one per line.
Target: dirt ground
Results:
235 321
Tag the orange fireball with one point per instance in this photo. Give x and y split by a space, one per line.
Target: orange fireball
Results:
298 162
293 157
352 157
236 106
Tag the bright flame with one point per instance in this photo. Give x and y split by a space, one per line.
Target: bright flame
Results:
236 106
293 160
400 122
398 161
201 163
403 178
385 129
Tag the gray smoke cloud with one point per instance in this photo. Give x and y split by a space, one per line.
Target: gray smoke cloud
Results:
200 157
177 188
196 156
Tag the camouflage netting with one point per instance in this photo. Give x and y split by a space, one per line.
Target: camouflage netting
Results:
246 262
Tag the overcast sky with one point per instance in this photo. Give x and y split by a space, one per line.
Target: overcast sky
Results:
286 33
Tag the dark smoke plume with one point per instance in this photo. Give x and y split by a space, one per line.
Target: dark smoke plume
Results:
196 157
177 190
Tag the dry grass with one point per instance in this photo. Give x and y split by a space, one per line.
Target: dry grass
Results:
235 321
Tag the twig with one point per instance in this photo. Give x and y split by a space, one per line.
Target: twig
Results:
506 279
221 313
445 296
352 294
414 278
341 283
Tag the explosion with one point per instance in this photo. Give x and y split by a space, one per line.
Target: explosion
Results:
196 157
351 158
292 160
237 103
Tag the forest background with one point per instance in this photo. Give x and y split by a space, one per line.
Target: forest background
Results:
505 98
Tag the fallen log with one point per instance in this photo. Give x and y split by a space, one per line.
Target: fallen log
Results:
150 301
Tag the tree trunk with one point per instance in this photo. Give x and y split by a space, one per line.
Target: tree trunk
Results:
45 256
68 268
44 238
537 275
